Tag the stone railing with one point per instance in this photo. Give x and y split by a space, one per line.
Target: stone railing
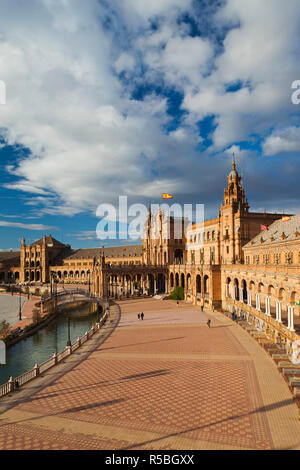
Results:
271 325
14 384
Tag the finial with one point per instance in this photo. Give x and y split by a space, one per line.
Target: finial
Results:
233 161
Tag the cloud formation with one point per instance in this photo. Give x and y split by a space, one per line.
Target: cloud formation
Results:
88 93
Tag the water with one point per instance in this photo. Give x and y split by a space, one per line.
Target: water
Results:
44 343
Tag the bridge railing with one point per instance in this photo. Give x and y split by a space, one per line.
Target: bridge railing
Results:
15 383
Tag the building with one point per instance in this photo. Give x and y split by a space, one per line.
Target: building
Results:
241 261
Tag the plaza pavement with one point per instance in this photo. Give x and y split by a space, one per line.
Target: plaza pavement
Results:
167 382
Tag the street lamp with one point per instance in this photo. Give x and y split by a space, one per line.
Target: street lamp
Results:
69 338
20 307
88 272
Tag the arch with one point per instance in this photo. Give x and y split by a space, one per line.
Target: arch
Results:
176 280
151 283
244 287
260 287
172 280
206 286
161 283
178 256
17 275
198 284
59 274
281 294
32 264
182 280
294 297
37 275
31 275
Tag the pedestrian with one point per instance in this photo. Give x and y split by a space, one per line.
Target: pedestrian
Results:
142 316
208 323
201 308
177 303
139 316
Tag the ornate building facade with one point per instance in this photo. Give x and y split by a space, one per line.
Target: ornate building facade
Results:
227 262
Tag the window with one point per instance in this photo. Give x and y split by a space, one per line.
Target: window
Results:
202 255
213 235
227 249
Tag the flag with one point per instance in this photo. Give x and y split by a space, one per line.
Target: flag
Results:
167 196
263 227
285 218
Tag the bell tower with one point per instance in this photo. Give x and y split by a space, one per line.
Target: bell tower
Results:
232 213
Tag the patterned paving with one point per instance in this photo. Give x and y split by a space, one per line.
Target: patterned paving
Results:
141 389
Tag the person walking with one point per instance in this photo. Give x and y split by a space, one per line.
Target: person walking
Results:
139 316
177 303
208 323
142 316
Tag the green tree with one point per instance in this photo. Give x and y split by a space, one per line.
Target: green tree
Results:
177 293
4 329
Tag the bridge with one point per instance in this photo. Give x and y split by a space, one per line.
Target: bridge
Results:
71 296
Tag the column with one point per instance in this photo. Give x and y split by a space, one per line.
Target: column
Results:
226 290
292 318
166 286
240 294
289 316
249 294
268 308
154 286
257 301
279 312
233 292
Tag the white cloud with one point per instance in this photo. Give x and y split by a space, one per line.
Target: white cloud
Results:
89 140
285 140
5 223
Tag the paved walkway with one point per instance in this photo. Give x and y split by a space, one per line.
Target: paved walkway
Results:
167 382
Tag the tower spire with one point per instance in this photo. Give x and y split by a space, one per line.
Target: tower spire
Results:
233 161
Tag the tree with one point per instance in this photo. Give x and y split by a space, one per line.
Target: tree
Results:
4 329
177 293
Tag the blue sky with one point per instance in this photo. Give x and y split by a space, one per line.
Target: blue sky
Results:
127 97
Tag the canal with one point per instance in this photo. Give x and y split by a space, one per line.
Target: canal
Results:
52 338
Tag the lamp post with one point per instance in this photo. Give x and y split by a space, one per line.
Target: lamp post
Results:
20 307
69 338
89 272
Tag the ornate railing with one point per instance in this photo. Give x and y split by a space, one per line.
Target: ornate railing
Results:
15 383
270 322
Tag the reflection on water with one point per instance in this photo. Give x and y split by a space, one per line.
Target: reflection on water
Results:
53 338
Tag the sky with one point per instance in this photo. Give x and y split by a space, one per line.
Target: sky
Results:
127 97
